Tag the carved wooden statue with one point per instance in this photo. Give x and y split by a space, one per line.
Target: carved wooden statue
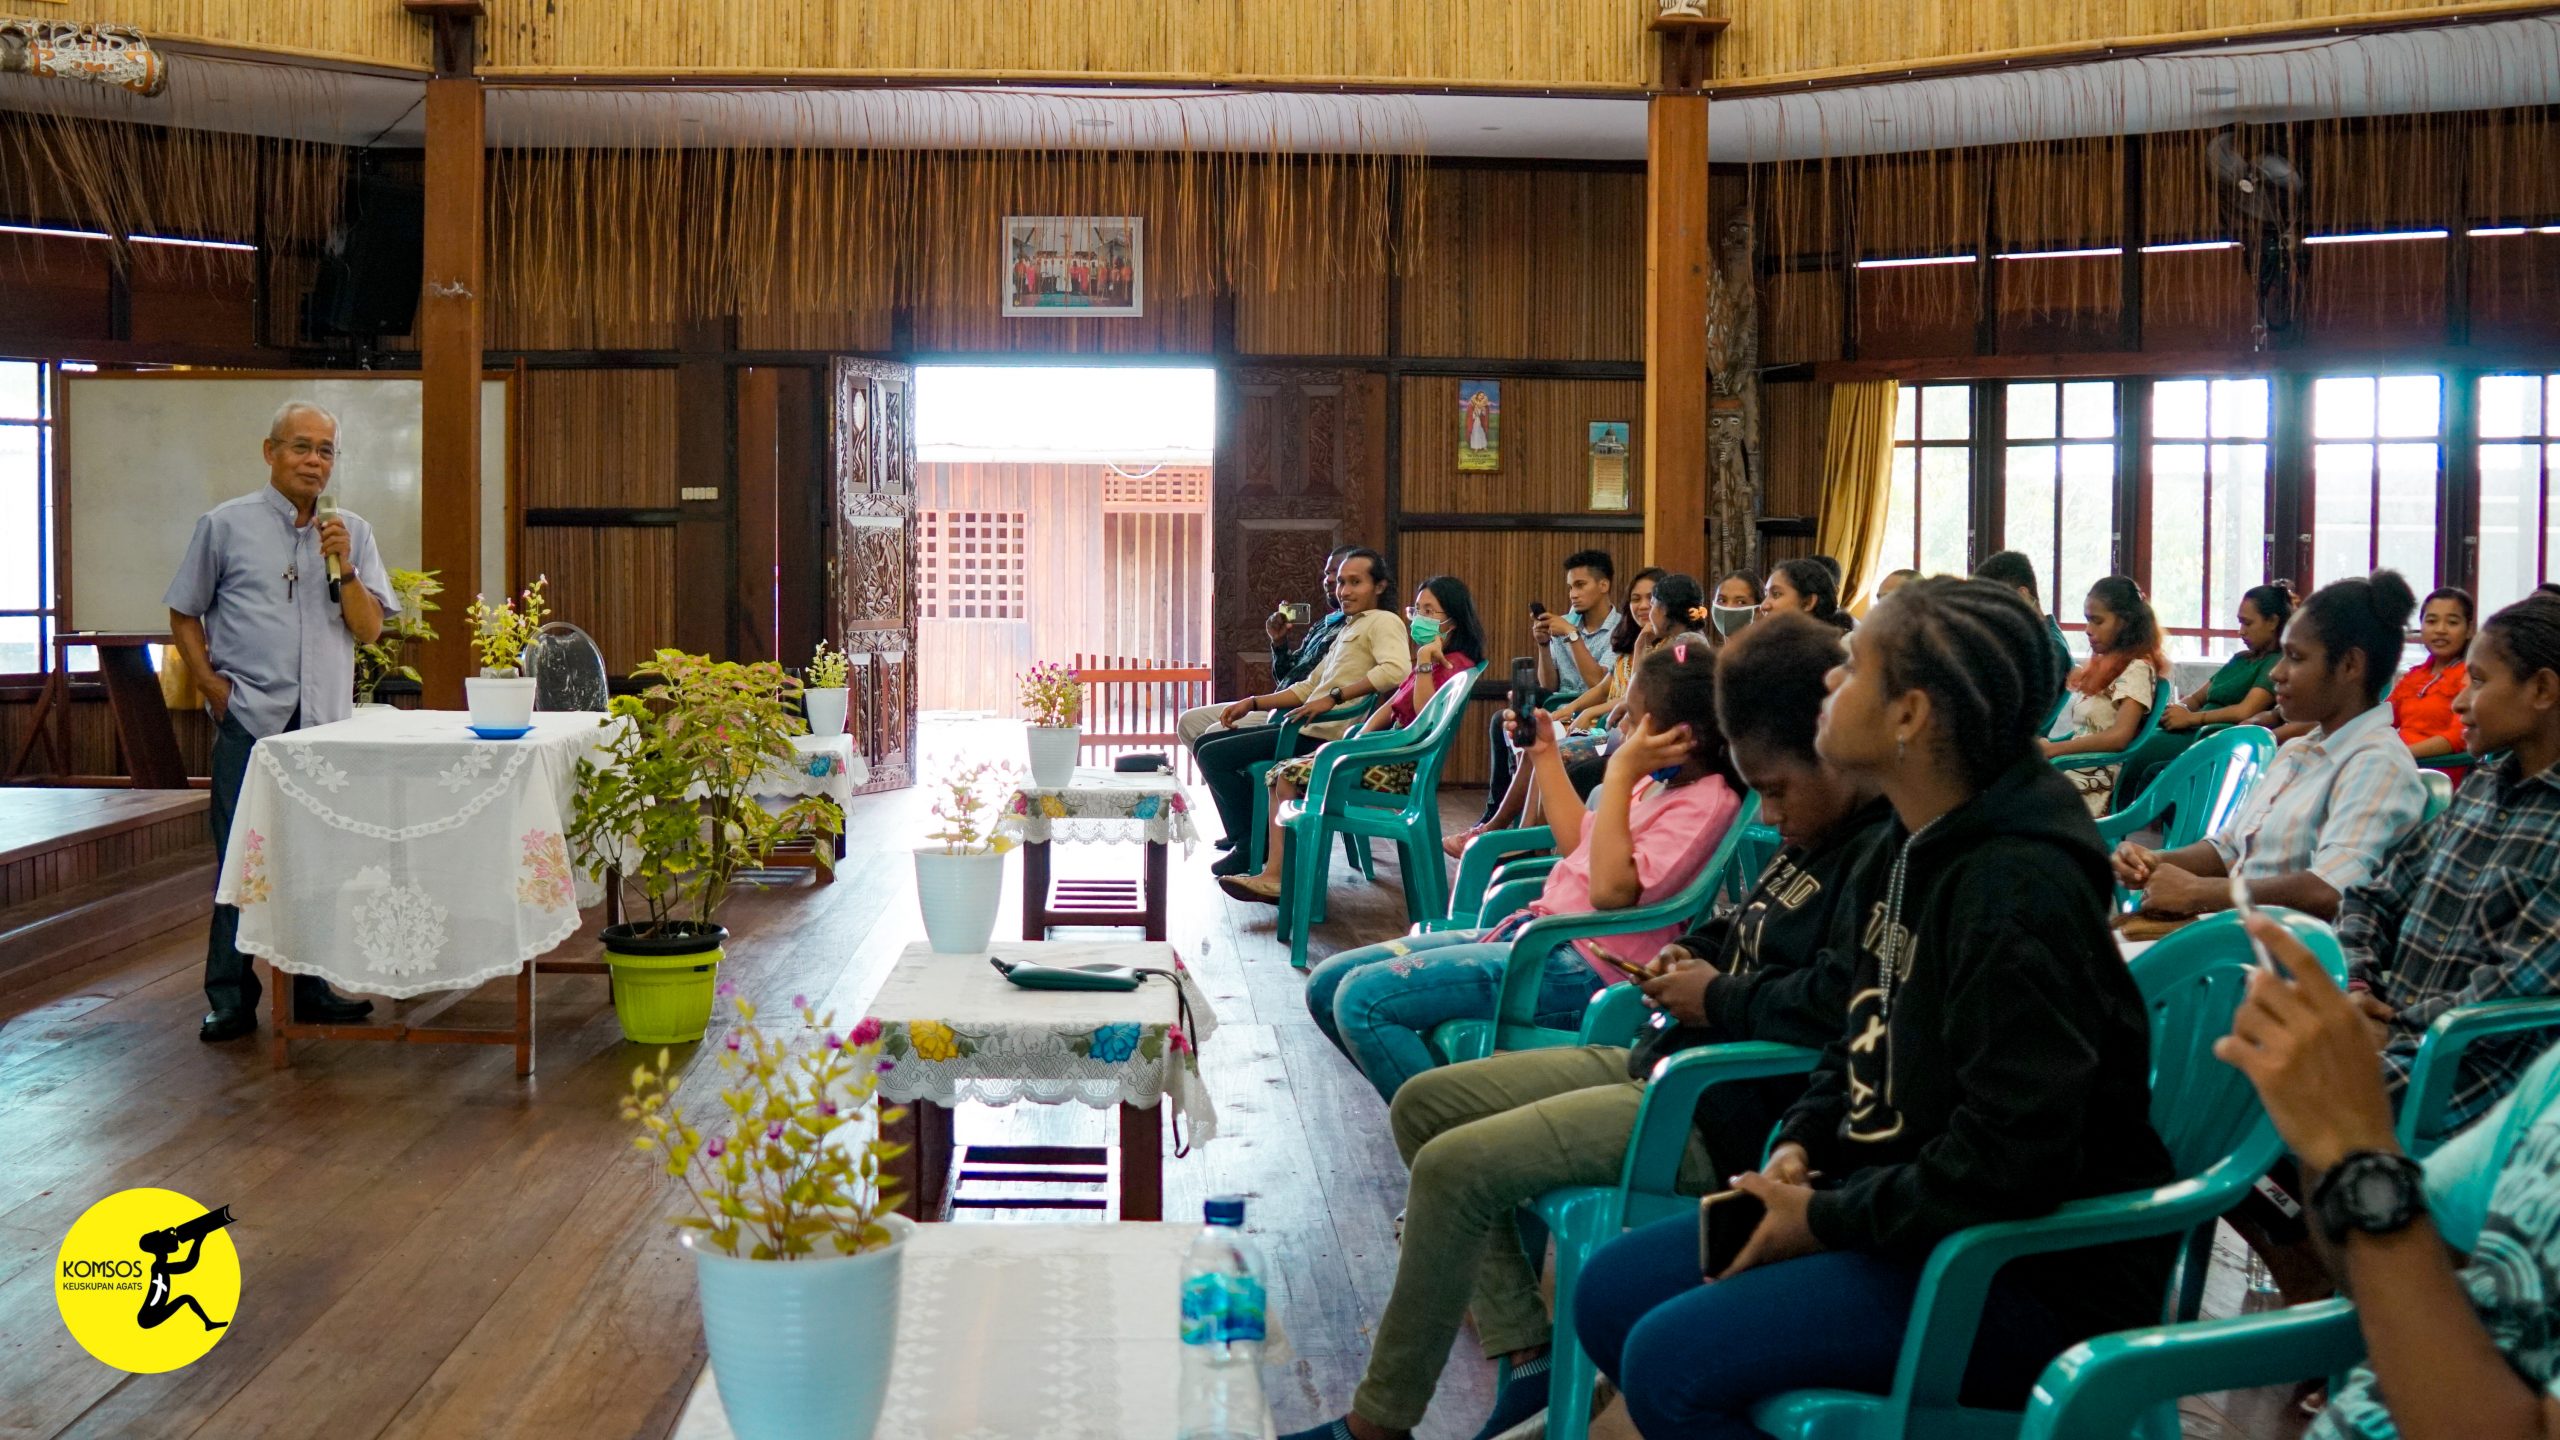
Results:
1733 417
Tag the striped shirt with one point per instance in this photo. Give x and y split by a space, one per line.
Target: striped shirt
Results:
2332 802
2468 911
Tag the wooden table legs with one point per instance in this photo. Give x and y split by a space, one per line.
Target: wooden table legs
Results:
419 1028
1045 903
930 1174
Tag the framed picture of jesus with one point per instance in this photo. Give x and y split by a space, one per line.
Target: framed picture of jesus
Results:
1479 426
1075 265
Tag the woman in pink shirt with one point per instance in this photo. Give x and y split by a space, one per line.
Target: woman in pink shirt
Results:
1665 804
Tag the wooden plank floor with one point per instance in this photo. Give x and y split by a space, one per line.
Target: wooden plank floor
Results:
433 1248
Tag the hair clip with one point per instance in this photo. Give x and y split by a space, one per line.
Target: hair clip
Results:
1680 651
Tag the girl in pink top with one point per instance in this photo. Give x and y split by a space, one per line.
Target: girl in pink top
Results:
1668 798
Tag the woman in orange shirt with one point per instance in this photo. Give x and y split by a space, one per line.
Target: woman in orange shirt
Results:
2422 703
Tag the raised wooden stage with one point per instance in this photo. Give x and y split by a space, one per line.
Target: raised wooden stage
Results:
84 873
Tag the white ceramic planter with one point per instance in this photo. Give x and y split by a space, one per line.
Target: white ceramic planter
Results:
1053 754
800 1348
499 702
958 895
826 709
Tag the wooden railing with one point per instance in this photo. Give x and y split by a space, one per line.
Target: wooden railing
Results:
1132 705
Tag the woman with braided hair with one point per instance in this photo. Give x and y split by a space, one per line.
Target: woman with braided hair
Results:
1995 1062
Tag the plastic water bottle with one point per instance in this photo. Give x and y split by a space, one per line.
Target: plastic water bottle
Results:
1222 1310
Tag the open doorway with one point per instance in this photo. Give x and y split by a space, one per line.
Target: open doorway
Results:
1063 514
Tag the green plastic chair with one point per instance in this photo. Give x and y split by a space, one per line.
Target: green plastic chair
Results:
2458 760
1760 845
2219 1140
2088 1390
1514 1023
2439 793
1283 742
1486 855
1335 804
2163 696
2200 790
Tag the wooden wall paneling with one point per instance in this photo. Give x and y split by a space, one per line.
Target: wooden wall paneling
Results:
1794 423
759 517
1327 296
706 457
1300 468
2389 289
1528 263
1800 316
2197 300
88 733
57 289
2515 289
1917 310
1051 577
616 582
800 555
2060 304
1504 571
207 300
600 438
1545 446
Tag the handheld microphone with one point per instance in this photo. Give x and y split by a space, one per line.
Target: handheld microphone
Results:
328 507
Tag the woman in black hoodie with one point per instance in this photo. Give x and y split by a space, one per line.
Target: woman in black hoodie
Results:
1995 1062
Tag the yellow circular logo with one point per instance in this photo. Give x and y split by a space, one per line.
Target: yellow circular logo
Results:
147 1280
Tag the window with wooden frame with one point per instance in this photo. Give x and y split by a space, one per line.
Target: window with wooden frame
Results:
2377 476
2058 486
973 564
2208 509
1929 523
2519 426
27 603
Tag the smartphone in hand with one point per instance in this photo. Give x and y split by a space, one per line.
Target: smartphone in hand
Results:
1725 1222
1524 701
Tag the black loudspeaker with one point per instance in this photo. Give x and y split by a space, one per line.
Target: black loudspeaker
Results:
369 275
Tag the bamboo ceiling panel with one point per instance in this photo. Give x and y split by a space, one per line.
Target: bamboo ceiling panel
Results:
378 32
1546 446
1528 263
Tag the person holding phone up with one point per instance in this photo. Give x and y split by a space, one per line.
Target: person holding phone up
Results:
1995 1062
1573 649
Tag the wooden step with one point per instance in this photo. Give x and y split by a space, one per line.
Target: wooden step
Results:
91 920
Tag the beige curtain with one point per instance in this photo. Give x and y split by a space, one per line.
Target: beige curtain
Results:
1857 484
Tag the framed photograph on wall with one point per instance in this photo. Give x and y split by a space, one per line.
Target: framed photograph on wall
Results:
1075 265
1479 426
1609 489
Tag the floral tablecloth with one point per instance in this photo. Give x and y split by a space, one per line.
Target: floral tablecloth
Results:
398 854
1026 1332
1105 805
819 765
959 1031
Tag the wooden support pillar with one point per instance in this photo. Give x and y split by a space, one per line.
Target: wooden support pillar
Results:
449 335
1679 254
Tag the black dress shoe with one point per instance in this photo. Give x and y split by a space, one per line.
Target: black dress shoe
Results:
1234 862
329 1008
221 1025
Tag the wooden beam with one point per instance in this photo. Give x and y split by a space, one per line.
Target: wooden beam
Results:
1679 251
449 335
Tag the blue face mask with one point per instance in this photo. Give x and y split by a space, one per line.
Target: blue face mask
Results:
1666 774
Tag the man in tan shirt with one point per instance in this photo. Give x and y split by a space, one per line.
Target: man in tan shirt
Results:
1371 656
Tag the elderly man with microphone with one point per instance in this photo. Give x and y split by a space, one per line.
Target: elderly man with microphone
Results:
276 591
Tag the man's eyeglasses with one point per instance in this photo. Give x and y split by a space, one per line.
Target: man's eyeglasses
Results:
305 449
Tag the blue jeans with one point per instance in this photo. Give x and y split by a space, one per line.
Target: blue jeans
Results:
1377 1004
1692 1358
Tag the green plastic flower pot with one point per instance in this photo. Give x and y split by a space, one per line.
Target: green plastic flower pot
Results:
662 984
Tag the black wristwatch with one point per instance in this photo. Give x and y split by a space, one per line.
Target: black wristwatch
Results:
1336 693
2374 1191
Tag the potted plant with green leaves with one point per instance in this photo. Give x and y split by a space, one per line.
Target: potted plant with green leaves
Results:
960 877
796 1244
668 801
501 695
824 695
1053 712
394 651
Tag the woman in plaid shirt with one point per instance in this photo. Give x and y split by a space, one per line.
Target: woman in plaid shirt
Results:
2470 909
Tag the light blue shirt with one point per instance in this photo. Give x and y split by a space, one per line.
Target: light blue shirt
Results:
1569 681
280 643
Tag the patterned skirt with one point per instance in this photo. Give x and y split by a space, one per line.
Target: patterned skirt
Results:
1385 779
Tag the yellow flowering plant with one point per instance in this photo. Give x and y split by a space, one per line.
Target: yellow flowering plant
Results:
500 632
826 668
800 1172
403 630
967 809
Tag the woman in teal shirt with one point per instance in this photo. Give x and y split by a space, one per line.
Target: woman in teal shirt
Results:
2244 687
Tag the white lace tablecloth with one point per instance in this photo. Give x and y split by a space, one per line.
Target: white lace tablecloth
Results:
1025 1332
397 853
959 1032
1105 805
819 765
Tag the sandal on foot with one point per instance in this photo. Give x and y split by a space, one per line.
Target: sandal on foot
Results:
1251 889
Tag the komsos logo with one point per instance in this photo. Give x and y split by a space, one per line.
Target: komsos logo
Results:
148 1280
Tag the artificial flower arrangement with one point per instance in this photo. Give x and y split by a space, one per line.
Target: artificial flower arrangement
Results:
500 632
967 809
1052 696
779 1185
403 630
826 669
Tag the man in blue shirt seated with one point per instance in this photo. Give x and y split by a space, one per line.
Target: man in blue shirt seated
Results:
1573 654
2453 1348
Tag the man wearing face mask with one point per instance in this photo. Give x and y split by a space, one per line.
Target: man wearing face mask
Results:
273 650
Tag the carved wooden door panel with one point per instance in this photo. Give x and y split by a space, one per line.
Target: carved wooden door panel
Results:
1301 468
872 570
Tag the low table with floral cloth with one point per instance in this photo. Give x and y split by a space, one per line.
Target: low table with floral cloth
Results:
1025 1332
398 854
1099 806
825 765
958 1031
